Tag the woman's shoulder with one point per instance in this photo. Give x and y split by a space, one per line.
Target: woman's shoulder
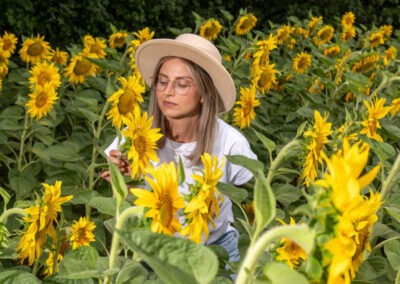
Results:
229 132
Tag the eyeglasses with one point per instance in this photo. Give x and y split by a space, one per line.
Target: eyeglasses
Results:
181 85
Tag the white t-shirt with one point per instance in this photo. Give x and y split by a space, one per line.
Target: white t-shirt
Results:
229 141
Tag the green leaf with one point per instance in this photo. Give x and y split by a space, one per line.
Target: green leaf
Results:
175 260
394 212
107 205
107 64
268 143
23 183
252 165
372 268
286 193
392 251
279 273
132 273
236 194
6 197
181 172
66 151
264 202
384 151
80 263
17 276
118 185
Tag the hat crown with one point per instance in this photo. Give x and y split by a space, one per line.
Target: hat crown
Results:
201 44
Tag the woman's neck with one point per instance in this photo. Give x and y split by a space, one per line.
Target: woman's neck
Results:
182 130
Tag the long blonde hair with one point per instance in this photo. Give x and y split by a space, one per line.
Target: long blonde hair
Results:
206 128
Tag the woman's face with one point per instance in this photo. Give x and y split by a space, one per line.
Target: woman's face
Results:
176 92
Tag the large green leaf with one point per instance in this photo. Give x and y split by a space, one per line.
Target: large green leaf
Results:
372 268
118 185
279 273
174 260
264 202
107 205
250 164
17 276
236 194
66 151
131 273
392 251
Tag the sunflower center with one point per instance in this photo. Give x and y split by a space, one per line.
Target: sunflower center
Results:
96 49
41 99
165 210
35 49
126 101
140 145
43 78
82 67
7 44
119 40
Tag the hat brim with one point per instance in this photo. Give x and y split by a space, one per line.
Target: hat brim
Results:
150 52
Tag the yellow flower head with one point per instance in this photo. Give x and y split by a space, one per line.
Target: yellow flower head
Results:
79 68
314 23
117 39
58 56
94 47
163 201
244 111
348 33
395 107
332 51
387 30
125 101
302 62
245 24
53 200
289 251
344 173
261 56
35 50
41 101
210 29
205 199
264 78
283 34
52 263
82 232
324 35
390 54
45 73
144 35
376 39
348 19
316 87
141 143
376 111
366 63
8 43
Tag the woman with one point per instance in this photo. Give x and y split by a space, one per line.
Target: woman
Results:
189 88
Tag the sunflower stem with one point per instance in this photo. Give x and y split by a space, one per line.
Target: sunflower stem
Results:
4 216
21 146
388 181
120 220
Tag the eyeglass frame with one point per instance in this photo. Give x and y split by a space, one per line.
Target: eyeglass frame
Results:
156 81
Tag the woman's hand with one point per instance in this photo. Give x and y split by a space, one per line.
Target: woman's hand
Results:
120 161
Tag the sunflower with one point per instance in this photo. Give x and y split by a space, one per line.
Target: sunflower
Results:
390 54
79 68
210 29
301 62
58 56
204 200
289 251
35 50
283 34
365 64
126 100
141 143
264 78
133 45
41 101
144 35
244 111
94 47
395 107
348 19
387 30
53 200
314 23
117 39
245 24
324 35
348 33
45 73
376 39
8 43
316 87
163 201
52 264
261 56
376 111
82 232
318 137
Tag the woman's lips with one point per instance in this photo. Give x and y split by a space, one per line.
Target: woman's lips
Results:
169 104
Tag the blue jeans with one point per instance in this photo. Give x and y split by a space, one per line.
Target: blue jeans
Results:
229 241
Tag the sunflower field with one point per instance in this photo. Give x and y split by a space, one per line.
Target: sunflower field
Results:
319 104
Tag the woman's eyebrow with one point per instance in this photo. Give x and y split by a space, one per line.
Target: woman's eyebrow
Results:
179 77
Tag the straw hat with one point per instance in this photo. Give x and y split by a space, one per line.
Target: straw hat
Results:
194 48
